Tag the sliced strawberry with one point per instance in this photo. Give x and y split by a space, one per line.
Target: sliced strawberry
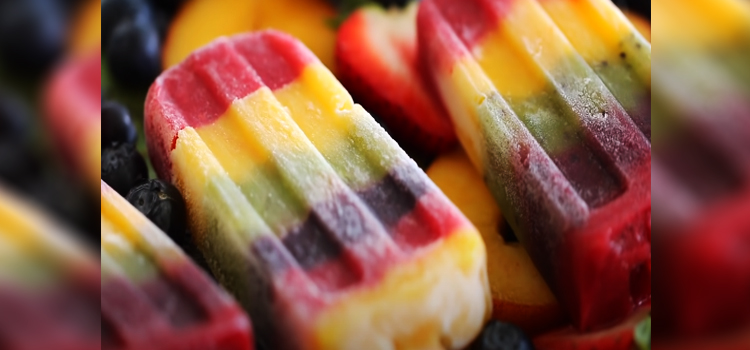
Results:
619 337
376 60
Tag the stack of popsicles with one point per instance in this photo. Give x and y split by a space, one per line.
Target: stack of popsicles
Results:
551 101
49 285
153 296
701 173
306 209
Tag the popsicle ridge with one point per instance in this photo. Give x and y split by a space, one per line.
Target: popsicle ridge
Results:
561 154
327 207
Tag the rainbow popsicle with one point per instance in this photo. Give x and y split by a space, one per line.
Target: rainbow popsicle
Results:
701 168
49 285
554 131
306 209
73 110
153 296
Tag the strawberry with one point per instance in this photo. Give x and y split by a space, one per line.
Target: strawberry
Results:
619 337
376 60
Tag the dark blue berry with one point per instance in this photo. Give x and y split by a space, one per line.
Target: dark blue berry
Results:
162 203
117 127
15 119
498 335
32 34
123 167
115 12
134 53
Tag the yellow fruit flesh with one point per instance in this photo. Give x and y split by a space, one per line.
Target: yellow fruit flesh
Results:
87 29
519 293
201 21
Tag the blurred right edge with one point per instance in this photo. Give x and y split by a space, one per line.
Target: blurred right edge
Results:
701 174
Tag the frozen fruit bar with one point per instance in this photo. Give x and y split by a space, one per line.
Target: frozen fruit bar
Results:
306 209
49 284
701 168
73 110
562 155
153 296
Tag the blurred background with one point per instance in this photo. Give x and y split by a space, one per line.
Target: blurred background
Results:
36 37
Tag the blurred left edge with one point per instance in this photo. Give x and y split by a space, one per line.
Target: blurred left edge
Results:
49 282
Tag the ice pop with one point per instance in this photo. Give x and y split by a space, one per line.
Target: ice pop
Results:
701 169
562 156
306 209
73 109
49 285
153 296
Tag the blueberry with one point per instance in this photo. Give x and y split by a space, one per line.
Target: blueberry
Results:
162 203
115 12
32 34
15 120
117 127
123 167
134 53
497 335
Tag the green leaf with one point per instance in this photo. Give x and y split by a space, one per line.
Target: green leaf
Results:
643 334
347 7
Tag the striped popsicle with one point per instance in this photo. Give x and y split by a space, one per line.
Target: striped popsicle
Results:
306 209
701 170
153 296
49 284
556 118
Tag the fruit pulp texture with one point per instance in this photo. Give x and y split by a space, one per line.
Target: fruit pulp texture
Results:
154 297
272 154
73 109
557 141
